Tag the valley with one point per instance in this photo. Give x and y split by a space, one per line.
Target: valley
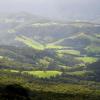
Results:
53 58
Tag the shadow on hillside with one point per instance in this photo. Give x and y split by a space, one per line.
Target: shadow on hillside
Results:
14 92
17 92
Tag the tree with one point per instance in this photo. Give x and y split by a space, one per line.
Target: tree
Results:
43 63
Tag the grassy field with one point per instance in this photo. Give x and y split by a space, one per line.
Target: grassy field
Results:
11 71
65 67
87 59
57 42
54 47
36 45
98 35
85 36
71 52
79 73
30 42
43 74
39 74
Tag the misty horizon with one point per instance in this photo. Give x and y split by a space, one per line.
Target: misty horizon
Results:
54 9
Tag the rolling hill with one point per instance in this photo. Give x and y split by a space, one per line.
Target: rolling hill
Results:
37 49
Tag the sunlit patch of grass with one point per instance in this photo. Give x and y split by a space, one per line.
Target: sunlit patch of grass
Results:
65 67
43 74
1 57
8 70
71 52
36 45
30 42
79 73
54 47
87 59
57 42
98 35
15 71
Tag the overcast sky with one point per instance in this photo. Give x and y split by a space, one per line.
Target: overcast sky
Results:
53 8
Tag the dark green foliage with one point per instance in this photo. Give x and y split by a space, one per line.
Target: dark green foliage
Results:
95 67
14 92
19 89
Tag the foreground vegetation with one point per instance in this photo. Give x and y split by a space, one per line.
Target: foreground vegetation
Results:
44 91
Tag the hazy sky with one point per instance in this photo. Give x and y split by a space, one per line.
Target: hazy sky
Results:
53 8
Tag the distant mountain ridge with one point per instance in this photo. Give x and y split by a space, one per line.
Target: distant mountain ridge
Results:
41 29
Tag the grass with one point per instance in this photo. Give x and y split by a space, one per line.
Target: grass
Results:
71 52
54 47
65 67
79 73
57 42
36 45
85 36
43 74
14 71
98 35
39 74
30 42
1 57
8 70
88 60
